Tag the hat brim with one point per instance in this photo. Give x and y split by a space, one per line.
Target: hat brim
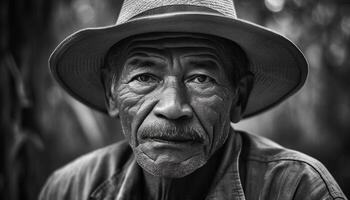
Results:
279 67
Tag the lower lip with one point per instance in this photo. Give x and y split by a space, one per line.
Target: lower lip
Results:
164 151
173 141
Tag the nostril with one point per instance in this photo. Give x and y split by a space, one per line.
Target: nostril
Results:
183 118
173 111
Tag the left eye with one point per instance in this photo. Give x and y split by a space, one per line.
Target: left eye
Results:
202 79
146 78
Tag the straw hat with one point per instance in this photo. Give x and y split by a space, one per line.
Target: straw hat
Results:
279 67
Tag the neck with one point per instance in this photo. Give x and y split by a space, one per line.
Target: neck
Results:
192 186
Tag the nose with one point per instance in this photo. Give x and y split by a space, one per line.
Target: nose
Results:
173 105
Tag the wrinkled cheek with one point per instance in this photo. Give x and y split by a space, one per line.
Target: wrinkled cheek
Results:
214 114
129 105
212 109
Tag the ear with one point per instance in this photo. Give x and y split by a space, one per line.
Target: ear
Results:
242 92
110 101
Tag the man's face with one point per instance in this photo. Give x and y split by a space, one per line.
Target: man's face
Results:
174 99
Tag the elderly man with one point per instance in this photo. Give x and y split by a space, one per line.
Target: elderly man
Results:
176 74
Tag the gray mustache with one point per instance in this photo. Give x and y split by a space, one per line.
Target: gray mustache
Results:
172 133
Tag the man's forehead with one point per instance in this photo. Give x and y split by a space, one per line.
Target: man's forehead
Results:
197 46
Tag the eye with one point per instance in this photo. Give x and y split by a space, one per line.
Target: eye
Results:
146 78
200 79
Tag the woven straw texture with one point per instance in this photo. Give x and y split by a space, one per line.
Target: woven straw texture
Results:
132 8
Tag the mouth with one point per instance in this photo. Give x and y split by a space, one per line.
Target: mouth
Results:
169 135
166 139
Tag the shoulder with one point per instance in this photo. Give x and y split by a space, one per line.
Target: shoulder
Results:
288 173
80 177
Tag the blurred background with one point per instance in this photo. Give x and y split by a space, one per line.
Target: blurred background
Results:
42 128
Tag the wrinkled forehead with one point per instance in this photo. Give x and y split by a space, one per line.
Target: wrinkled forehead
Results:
186 42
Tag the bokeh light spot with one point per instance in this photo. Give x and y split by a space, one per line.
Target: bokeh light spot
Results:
85 12
323 14
274 5
345 25
338 51
314 55
299 3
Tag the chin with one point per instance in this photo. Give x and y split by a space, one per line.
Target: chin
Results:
169 169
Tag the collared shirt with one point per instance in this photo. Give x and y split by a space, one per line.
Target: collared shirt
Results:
252 167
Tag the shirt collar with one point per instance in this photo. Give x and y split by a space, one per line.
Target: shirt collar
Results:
227 184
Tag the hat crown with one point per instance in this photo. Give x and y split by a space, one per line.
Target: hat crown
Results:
132 8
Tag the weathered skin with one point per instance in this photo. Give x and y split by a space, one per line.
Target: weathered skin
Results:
174 99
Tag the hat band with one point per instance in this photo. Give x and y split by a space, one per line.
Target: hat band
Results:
175 8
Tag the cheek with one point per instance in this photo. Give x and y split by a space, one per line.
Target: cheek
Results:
214 106
129 104
213 111
133 108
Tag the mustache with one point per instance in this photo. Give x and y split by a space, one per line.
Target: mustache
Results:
170 132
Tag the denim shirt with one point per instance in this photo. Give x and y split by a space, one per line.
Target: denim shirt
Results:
252 167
